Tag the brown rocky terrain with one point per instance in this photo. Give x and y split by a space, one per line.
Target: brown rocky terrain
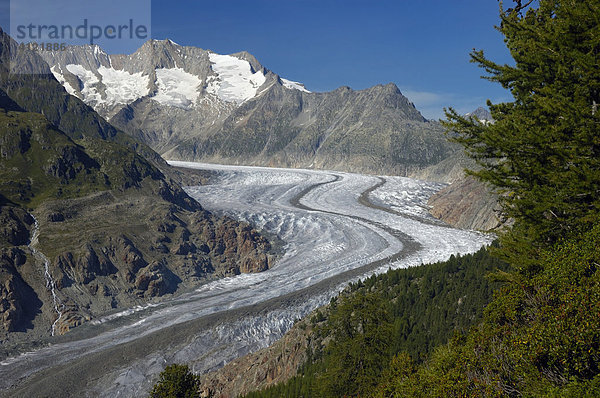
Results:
126 251
272 365
467 203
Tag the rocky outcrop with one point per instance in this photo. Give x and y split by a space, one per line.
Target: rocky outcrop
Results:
467 203
15 224
19 303
152 250
275 364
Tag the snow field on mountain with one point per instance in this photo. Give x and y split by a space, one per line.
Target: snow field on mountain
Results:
57 72
88 79
123 87
294 85
230 80
120 87
235 81
177 88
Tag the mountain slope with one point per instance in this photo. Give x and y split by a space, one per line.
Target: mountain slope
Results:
113 231
192 104
88 224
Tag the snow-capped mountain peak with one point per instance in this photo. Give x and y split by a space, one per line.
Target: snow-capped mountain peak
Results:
163 71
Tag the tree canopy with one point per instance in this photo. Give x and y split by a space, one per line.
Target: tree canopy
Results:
543 150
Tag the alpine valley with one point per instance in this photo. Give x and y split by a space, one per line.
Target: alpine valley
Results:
108 261
195 105
101 213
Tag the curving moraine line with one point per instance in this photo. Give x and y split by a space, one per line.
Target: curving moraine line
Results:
410 245
364 200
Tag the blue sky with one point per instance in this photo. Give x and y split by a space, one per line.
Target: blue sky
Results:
421 46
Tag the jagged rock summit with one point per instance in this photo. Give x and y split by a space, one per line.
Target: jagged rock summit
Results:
482 114
193 104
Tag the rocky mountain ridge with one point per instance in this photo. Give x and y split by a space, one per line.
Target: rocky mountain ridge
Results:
192 104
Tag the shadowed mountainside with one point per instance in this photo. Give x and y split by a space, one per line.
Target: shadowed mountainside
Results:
91 220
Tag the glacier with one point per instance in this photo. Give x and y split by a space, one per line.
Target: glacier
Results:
108 87
177 88
337 227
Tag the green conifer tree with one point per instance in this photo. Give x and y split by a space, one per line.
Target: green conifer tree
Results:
543 150
176 381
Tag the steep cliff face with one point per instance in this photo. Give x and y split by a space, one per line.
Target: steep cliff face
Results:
467 203
191 104
19 304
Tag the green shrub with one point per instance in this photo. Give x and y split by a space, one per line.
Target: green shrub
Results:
176 381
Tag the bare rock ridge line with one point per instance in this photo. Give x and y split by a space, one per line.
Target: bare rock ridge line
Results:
74 375
192 104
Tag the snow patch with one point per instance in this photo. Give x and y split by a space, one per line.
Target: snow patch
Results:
177 88
98 51
88 80
293 85
235 81
61 79
123 87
